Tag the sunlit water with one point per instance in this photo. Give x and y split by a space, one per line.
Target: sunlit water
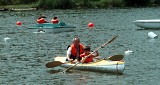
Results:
24 55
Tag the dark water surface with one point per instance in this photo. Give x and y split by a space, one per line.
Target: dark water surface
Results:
23 57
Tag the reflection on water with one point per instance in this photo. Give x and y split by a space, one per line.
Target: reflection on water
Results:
24 55
54 71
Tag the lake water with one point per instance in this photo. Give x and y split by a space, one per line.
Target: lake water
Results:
24 55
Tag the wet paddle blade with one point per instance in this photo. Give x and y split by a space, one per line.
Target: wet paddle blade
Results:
116 57
53 64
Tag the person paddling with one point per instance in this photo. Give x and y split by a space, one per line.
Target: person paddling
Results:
41 19
75 50
55 20
87 56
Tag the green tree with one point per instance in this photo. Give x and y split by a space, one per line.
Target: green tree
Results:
5 2
64 4
83 3
157 2
11 2
56 4
137 2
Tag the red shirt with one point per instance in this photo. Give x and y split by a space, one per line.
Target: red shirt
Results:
89 59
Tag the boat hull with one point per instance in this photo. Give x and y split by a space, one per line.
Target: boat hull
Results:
106 66
50 27
150 24
51 30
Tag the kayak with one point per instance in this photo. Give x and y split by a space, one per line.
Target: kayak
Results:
153 23
104 65
51 28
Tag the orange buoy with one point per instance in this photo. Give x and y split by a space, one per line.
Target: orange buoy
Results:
90 25
19 23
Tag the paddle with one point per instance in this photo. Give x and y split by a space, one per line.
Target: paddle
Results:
114 58
92 53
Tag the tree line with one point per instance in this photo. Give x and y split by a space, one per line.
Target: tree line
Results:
15 2
71 4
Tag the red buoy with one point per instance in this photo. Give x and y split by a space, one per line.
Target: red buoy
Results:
19 23
90 25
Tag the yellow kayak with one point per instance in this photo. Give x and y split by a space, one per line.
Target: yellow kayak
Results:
99 66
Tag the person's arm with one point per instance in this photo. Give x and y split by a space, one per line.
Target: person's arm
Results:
68 54
96 55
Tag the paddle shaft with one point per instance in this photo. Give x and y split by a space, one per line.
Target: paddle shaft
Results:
105 44
99 48
93 52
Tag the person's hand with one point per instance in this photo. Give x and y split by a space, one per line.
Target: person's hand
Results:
97 58
83 59
70 60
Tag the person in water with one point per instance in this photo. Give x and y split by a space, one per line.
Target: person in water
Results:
87 56
75 50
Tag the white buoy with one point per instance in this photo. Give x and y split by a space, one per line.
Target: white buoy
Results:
5 39
152 35
128 52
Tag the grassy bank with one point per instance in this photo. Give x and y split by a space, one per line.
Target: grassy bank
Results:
20 6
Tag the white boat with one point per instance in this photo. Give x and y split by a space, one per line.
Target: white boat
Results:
154 23
99 66
51 28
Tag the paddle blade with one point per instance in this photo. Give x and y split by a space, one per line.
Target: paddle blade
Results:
113 39
53 64
116 57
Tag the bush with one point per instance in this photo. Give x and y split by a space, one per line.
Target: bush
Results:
117 3
83 3
110 3
64 4
22 1
55 4
157 2
137 2
103 3
5 2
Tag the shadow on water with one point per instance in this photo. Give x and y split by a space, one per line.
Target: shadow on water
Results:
54 71
60 71
151 29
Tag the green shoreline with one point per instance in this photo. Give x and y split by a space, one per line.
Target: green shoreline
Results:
25 7
74 4
18 7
